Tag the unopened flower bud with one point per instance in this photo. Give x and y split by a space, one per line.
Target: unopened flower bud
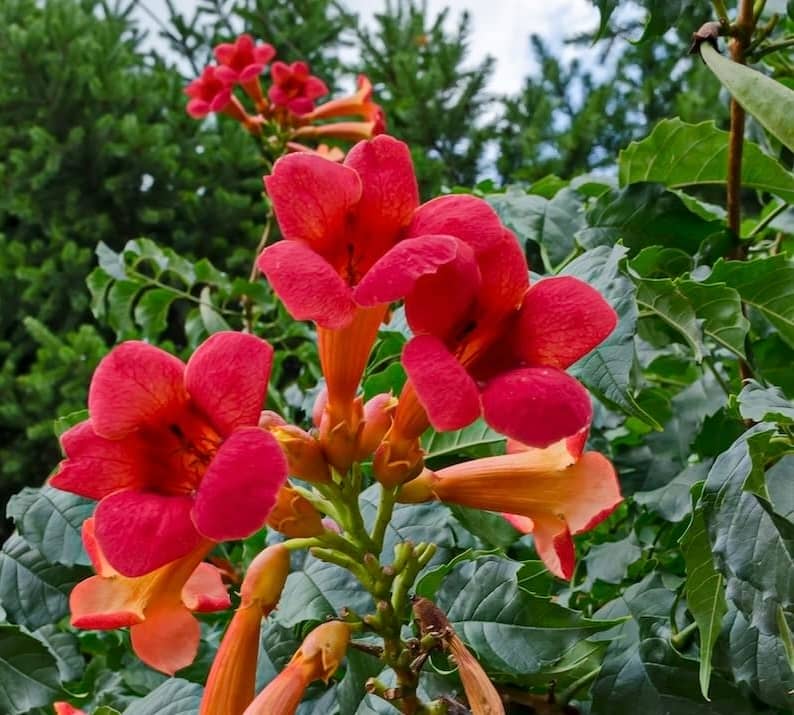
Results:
418 490
294 516
317 659
265 578
397 462
378 414
304 454
339 436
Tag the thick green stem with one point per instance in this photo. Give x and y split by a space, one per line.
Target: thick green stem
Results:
383 517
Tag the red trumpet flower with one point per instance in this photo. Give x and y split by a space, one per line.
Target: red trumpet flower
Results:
172 451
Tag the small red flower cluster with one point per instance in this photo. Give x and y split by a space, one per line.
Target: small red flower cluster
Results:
290 100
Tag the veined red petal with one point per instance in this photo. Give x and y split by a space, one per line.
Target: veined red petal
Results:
205 591
95 467
561 320
505 276
444 388
464 216
536 406
139 531
395 274
227 379
307 284
136 384
312 198
240 486
168 639
389 195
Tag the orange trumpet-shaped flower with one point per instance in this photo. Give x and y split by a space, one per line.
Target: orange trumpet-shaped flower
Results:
359 104
317 659
551 493
232 679
156 606
346 131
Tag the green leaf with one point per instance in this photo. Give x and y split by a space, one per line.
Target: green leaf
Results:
677 155
51 520
28 672
761 404
642 215
317 591
173 697
66 649
770 102
32 591
151 311
606 371
773 358
609 562
661 298
766 284
513 632
430 582
491 528
705 588
719 309
478 439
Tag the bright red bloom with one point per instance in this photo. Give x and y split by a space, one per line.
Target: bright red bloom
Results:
208 93
341 220
551 493
242 60
173 452
157 607
64 708
294 88
484 336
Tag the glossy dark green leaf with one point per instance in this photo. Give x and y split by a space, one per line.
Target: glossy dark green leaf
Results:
51 520
65 647
718 308
151 311
478 439
766 284
673 501
513 632
642 215
661 298
677 154
609 562
762 404
174 697
33 591
28 672
606 371
769 101
705 592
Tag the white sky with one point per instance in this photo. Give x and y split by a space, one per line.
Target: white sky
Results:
500 28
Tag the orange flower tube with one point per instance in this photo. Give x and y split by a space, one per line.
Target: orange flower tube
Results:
232 679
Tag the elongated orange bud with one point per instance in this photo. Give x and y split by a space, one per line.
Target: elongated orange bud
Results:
317 659
294 516
232 679
304 454
378 413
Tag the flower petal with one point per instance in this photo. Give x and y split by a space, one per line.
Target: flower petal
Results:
239 489
105 603
554 545
307 284
227 379
594 492
505 277
139 531
536 406
464 216
561 320
95 467
205 591
389 195
312 198
444 388
396 272
168 639
135 385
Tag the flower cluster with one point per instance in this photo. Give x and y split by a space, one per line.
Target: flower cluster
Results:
182 456
286 116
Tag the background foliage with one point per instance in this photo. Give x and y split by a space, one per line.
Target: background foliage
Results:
684 594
